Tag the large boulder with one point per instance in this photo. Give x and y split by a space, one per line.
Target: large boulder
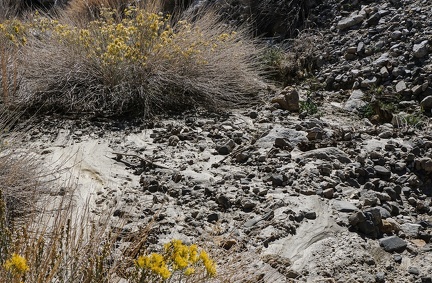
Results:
288 99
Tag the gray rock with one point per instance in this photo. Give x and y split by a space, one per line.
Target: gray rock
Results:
386 134
242 157
350 21
397 258
426 103
344 206
420 50
382 172
400 86
384 72
355 101
226 148
247 204
426 164
396 34
382 60
328 154
393 244
310 215
411 230
293 136
223 201
283 143
253 114
367 83
369 198
277 180
416 90
213 217
380 277
413 270
384 212
373 19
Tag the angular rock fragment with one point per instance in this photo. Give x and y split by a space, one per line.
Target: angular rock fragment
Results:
393 244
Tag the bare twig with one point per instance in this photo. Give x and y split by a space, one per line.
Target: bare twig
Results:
120 155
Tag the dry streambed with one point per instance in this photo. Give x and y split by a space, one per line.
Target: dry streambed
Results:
314 198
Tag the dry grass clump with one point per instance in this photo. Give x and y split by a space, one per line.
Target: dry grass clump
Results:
12 37
134 60
19 186
81 12
295 59
280 18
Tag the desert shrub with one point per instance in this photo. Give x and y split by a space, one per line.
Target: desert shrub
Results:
138 62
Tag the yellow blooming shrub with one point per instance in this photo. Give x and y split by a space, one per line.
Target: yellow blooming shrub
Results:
136 61
176 258
138 39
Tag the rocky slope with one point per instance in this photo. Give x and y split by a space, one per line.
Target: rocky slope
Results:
328 197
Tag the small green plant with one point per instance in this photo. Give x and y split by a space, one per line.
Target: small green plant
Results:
389 106
309 107
366 111
272 57
416 120
377 90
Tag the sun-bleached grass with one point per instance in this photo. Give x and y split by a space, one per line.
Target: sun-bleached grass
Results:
10 8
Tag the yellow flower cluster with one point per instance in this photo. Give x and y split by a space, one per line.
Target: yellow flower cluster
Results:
17 265
208 263
181 255
155 263
176 257
135 38
14 31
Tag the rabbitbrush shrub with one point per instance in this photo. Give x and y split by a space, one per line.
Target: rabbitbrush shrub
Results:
137 60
